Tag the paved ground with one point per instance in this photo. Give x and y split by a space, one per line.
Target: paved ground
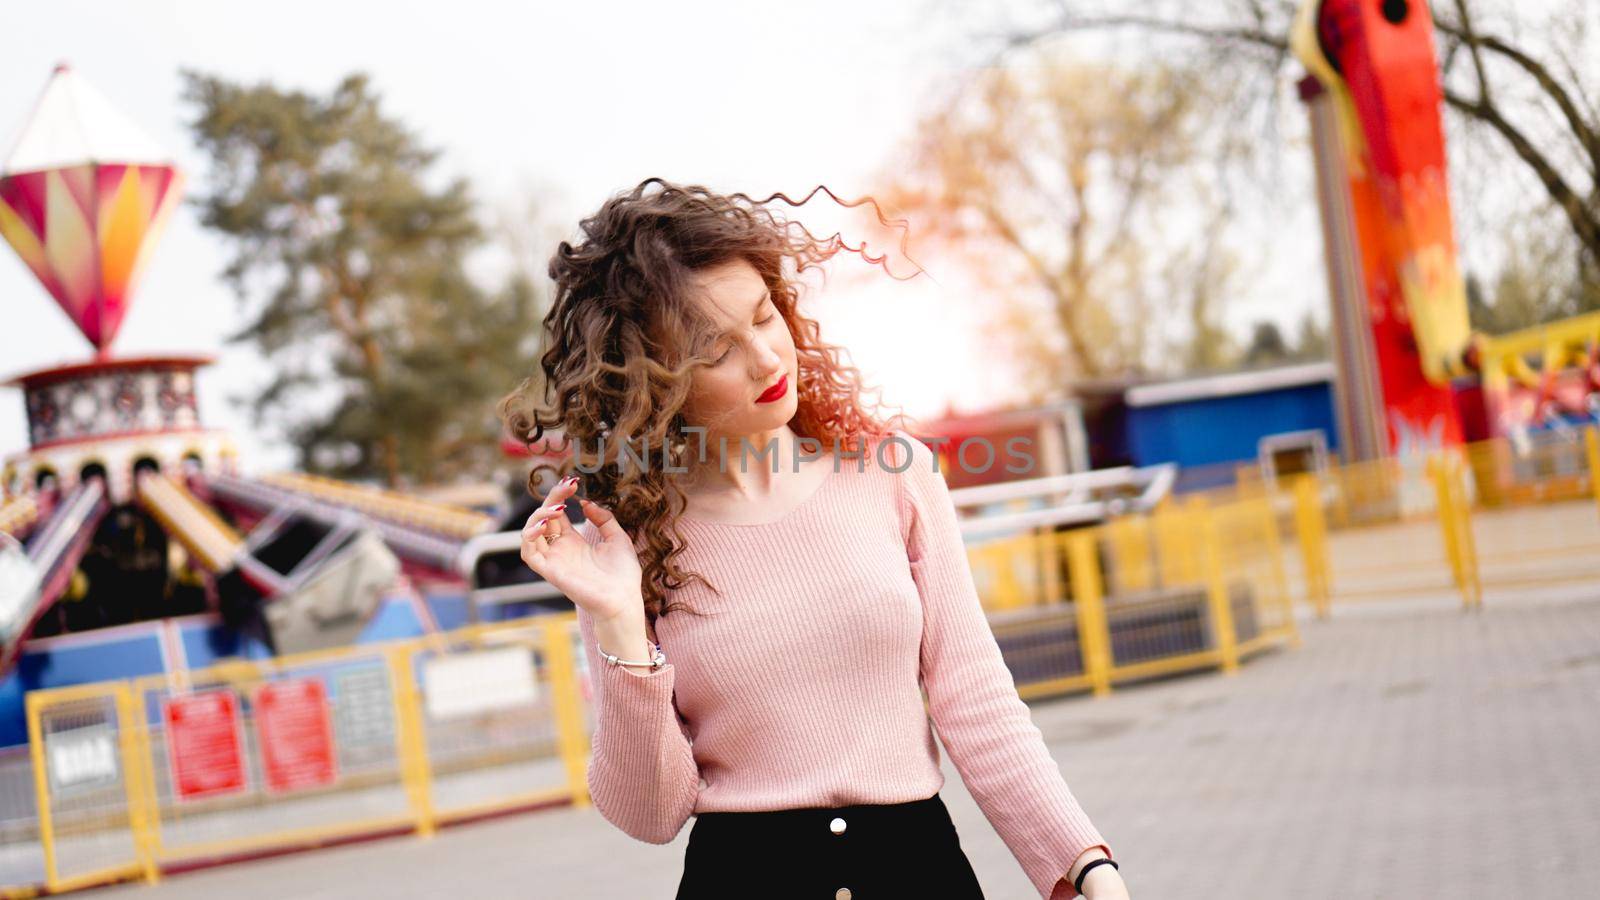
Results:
1405 751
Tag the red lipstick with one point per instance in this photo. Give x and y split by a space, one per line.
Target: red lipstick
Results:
775 392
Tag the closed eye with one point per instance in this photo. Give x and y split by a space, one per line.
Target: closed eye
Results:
769 318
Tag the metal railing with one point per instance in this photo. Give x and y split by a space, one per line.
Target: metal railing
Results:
132 778
139 776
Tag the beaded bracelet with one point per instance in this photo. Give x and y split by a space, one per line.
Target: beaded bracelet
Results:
656 661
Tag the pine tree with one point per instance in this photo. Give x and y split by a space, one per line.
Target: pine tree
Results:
330 213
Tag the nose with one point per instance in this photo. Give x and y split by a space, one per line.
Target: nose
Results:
766 362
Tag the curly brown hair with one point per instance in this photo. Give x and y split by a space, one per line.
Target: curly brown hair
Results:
625 335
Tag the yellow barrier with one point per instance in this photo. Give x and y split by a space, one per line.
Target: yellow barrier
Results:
1266 517
1386 531
1455 525
1204 581
1089 597
90 798
414 734
410 744
1226 638
492 718
1313 539
1197 584
1129 537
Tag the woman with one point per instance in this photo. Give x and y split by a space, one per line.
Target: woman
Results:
760 629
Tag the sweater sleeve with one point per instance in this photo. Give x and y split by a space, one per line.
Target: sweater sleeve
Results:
642 775
972 698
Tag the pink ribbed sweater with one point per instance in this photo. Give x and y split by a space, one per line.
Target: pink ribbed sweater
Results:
800 685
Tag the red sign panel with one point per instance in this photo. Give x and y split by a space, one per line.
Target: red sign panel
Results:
203 744
295 733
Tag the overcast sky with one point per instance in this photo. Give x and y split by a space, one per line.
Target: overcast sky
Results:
580 100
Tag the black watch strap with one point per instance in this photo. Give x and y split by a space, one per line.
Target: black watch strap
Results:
1078 884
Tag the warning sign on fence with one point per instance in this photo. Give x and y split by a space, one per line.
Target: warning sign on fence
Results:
204 746
294 730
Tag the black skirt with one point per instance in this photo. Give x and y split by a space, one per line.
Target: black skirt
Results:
862 852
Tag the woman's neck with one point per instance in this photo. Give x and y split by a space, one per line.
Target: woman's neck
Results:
746 467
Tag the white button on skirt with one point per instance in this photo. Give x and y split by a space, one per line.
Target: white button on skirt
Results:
861 852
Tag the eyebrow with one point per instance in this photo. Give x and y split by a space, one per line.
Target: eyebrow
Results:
760 300
757 305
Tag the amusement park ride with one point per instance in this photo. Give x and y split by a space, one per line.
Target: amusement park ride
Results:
130 542
1414 378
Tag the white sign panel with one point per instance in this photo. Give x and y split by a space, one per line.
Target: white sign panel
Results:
481 681
82 759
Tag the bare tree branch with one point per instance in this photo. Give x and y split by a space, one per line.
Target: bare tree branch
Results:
1252 36
1471 40
1583 220
1582 130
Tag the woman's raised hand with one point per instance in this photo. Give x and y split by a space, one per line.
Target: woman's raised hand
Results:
605 578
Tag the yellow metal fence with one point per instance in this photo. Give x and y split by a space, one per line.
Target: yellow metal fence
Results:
1502 515
1195 584
496 718
485 720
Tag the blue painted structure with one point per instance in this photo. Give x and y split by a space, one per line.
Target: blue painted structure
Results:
1206 425
128 651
